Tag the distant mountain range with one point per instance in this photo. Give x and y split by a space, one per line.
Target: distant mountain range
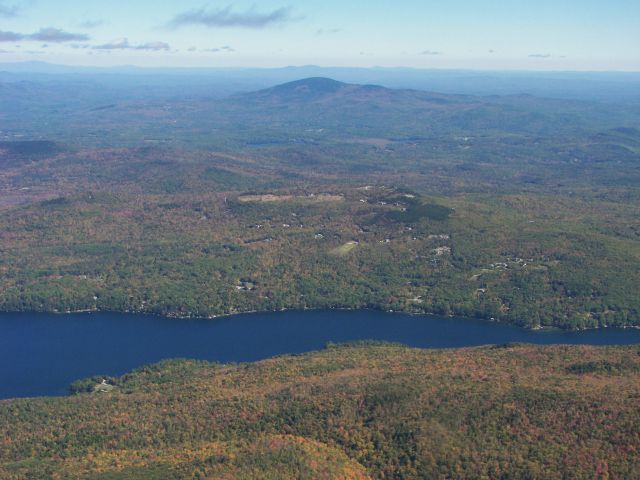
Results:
603 86
292 109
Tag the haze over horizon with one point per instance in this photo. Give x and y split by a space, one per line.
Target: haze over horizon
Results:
459 34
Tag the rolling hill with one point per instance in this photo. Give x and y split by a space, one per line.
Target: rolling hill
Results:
347 412
133 203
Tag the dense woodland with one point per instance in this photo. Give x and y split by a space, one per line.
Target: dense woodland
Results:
352 412
318 194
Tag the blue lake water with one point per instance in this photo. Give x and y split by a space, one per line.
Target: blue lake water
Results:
41 354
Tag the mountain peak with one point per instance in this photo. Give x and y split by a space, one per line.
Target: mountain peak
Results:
314 89
308 88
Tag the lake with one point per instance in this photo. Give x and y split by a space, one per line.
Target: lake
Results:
41 354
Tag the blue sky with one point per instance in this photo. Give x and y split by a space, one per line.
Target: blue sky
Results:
474 34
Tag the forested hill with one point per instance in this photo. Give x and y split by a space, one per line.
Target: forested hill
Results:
319 90
348 412
351 109
319 194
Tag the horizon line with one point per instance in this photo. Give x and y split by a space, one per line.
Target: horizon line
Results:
27 63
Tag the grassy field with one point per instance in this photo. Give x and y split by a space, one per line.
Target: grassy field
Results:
344 250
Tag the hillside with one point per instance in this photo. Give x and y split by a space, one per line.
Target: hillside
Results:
350 412
321 194
352 109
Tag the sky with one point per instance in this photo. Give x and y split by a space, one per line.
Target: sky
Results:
594 35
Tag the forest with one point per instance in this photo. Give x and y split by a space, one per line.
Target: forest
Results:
321 194
357 411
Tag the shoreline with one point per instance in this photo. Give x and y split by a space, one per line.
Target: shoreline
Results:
541 329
